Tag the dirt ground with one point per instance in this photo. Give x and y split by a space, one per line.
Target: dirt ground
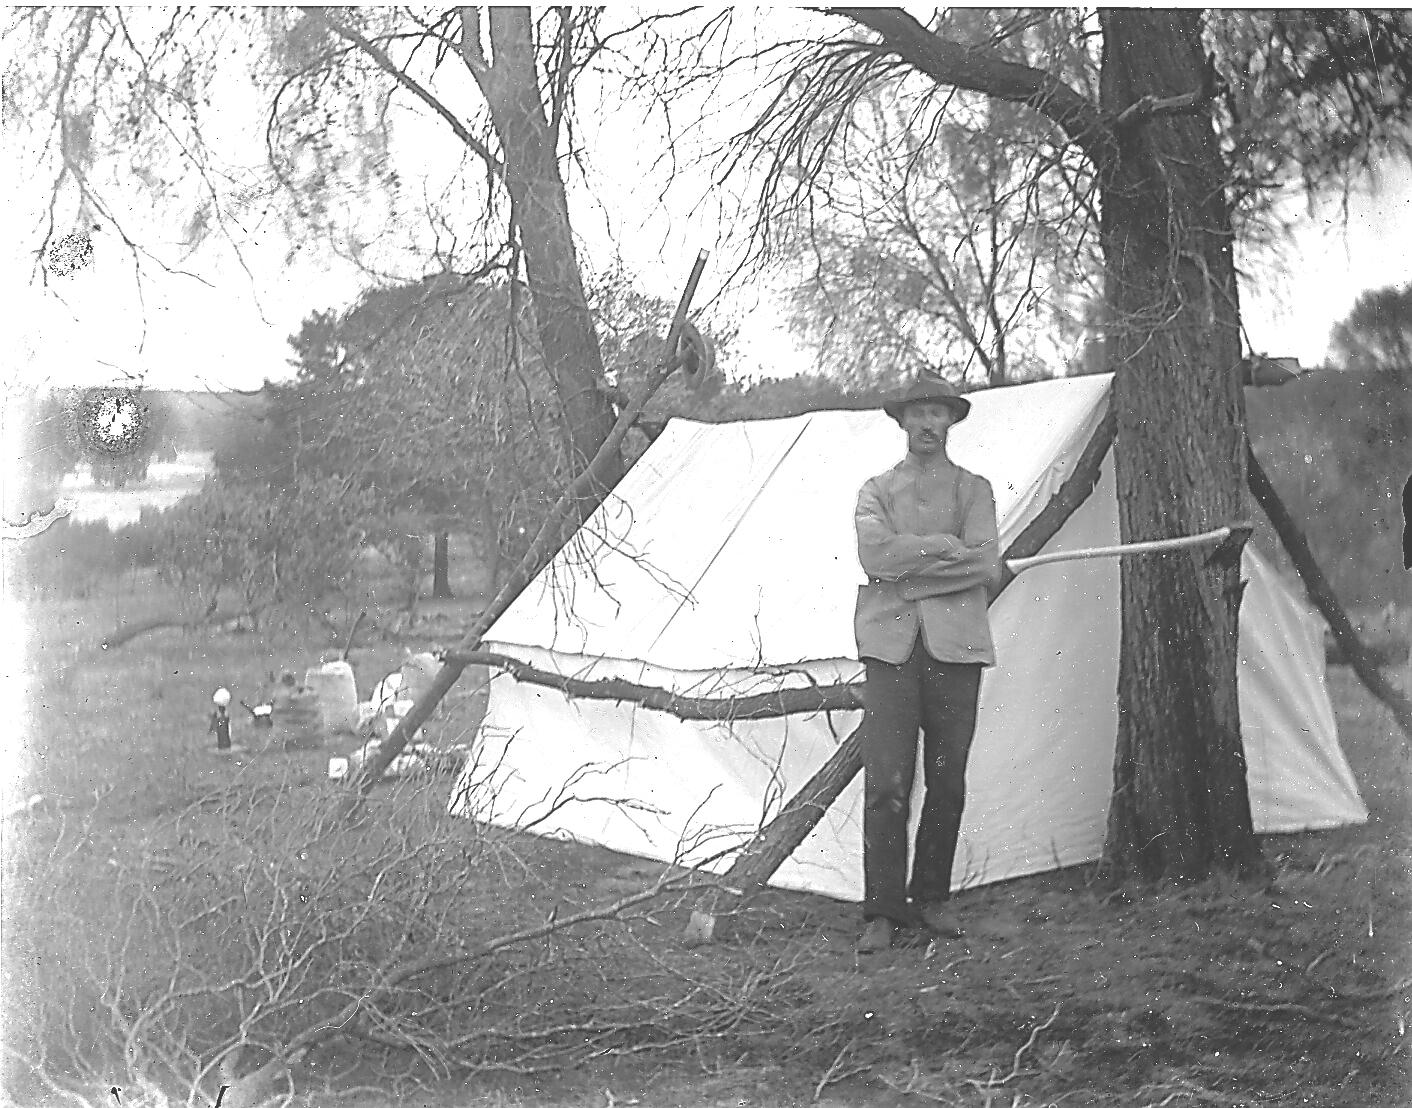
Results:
1063 991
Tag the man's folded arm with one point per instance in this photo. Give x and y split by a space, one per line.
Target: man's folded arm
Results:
890 555
976 563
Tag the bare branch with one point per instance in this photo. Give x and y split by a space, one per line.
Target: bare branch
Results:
1149 107
559 99
983 70
415 87
770 705
471 52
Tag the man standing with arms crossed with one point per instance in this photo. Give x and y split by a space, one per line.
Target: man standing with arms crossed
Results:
927 539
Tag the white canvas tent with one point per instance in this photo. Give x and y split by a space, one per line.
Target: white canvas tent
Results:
726 563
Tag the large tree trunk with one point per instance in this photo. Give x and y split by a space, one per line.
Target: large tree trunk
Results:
441 567
1180 806
541 214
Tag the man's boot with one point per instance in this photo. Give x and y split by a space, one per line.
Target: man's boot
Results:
939 917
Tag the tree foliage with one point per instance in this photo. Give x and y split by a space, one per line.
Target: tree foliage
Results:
1298 100
1306 98
943 227
435 398
264 548
116 100
1377 333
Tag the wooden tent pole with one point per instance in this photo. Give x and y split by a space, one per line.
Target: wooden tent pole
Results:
766 852
1322 593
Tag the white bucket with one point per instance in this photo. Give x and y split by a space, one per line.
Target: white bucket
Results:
338 695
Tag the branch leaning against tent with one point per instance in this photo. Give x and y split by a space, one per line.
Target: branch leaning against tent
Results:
578 501
1322 594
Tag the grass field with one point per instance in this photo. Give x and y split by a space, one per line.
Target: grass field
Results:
157 898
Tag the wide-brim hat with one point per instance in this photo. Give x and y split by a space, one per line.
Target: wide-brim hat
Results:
929 386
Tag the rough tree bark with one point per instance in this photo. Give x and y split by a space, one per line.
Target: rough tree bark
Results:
441 567
540 215
1180 805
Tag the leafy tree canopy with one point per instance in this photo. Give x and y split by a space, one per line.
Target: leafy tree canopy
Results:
1377 333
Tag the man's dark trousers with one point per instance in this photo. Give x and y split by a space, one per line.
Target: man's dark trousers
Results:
939 699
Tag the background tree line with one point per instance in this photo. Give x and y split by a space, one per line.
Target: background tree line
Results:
1335 444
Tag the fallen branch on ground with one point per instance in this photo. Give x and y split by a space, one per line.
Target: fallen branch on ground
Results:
1275 1008
1375 994
121 636
312 941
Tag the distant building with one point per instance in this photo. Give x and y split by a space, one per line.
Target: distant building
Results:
1260 369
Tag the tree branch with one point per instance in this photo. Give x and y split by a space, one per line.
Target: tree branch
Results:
771 705
1149 107
1322 593
984 70
471 52
559 102
420 91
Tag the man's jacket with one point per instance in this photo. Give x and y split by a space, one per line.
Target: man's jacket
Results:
930 548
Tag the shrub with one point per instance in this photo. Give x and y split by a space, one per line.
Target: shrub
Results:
270 546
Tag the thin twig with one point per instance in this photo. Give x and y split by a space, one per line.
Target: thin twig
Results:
1276 1008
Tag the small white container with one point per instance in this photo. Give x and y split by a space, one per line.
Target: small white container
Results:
338 695
337 769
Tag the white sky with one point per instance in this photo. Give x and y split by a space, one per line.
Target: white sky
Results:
1289 310
225 327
